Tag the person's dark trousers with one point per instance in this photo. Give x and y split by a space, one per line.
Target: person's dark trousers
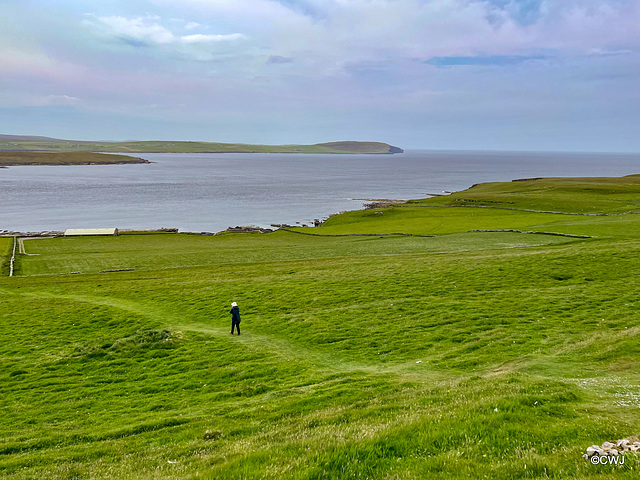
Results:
235 325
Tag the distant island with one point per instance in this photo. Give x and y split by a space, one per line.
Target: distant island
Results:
20 143
9 159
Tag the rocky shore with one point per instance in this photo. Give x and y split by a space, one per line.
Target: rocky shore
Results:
46 233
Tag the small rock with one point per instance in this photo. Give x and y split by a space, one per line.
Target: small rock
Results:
596 450
607 445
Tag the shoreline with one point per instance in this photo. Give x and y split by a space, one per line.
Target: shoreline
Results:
7 165
27 159
317 222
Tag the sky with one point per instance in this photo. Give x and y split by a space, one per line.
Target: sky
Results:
555 75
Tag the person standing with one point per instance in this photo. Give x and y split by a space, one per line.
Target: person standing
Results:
235 317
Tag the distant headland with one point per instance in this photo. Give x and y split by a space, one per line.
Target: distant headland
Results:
20 143
12 159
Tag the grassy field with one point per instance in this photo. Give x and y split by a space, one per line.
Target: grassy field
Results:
64 158
578 206
151 252
6 249
192 147
464 355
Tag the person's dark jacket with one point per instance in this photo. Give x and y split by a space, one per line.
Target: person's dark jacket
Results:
235 314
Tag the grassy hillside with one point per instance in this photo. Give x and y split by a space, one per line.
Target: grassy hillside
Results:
66 158
192 147
579 206
571 195
465 355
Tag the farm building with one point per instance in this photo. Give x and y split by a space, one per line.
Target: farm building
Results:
75 232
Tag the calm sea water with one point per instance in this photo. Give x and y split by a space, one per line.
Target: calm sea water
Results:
210 192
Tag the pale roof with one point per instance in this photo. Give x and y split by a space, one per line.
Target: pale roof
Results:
90 231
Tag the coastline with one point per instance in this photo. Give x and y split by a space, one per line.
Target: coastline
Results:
7 165
19 159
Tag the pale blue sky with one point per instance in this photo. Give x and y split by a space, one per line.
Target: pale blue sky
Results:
437 74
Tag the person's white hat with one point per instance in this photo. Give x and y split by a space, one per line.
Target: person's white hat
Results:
234 304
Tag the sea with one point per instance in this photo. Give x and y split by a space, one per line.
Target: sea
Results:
211 192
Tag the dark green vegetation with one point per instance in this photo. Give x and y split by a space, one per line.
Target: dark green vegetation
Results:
64 158
54 145
527 343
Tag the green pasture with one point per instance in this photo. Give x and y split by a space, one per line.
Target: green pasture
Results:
6 248
442 220
575 195
192 147
578 206
149 252
465 355
64 158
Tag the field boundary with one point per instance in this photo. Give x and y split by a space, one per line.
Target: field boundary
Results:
13 256
357 234
466 205
531 232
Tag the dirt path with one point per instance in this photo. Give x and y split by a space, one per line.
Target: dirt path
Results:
21 244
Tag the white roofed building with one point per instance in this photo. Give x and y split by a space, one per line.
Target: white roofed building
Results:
76 232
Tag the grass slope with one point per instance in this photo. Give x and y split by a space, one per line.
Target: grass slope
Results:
580 206
66 158
526 355
193 147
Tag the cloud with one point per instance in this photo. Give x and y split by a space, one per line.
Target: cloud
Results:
524 12
483 61
200 38
139 30
279 59
52 100
147 31
16 61
609 53
25 99
364 61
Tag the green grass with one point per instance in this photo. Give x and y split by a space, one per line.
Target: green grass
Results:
152 252
580 206
527 355
64 158
194 147
6 249
572 195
